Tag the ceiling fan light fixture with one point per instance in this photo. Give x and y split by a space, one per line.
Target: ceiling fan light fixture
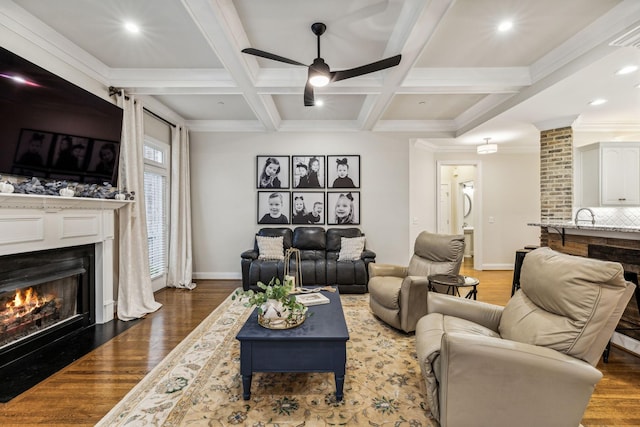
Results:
319 80
487 148
319 73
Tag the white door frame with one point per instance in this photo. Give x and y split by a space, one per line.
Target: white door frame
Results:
444 227
477 198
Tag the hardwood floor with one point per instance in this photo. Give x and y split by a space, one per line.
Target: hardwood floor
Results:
82 393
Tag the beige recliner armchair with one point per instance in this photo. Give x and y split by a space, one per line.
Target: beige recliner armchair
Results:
532 362
398 295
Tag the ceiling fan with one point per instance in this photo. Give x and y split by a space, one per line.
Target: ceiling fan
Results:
319 72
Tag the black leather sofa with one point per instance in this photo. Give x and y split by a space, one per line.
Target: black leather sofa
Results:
319 265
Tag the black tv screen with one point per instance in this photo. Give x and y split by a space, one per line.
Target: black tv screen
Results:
53 129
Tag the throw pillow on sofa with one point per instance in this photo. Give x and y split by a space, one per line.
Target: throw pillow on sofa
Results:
271 248
351 248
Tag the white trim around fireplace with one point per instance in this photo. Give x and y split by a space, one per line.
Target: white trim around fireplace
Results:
31 223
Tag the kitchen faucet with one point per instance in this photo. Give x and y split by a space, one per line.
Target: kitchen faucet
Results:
593 216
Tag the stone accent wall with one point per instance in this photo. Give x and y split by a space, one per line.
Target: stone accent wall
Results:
556 177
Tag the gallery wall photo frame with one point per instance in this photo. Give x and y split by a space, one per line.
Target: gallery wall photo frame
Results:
272 172
308 171
343 171
343 208
308 207
273 207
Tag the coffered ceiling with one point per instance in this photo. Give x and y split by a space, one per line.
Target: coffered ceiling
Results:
459 81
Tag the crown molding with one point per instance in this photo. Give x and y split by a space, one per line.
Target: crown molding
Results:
606 126
159 80
33 30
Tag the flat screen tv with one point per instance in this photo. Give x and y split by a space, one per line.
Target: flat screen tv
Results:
53 129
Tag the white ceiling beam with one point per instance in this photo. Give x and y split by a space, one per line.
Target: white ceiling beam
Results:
491 77
414 28
164 78
581 50
429 128
224 126
220 25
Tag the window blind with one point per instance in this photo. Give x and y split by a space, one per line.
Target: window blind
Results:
155 190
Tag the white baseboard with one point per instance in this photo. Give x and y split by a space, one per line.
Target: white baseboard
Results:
208 275
628 343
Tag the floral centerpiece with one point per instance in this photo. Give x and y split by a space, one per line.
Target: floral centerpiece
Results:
277 308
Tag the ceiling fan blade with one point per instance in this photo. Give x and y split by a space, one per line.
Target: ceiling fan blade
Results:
272 56
366 69
309 99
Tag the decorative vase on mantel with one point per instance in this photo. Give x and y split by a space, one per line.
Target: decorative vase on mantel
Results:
277 309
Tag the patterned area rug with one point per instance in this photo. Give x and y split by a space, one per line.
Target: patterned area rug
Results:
199 383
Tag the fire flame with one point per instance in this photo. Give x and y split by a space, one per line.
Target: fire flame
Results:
29 300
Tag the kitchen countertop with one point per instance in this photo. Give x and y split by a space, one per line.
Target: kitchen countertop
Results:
587 226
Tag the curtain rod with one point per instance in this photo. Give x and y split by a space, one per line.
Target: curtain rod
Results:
117 91
158 117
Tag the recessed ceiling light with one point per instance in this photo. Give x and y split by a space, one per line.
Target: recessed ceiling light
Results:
421 102
505 26
132 27
319 103
598 101
628 69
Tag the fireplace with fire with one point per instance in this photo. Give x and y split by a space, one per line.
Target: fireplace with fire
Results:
45 296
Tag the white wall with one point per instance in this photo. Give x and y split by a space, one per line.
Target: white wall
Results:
507 190
224 194
422 191
398 194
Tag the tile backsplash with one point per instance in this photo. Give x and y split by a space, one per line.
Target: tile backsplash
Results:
624 216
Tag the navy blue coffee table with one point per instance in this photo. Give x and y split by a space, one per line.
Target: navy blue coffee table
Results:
318 345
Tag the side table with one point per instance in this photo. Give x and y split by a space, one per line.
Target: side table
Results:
454 283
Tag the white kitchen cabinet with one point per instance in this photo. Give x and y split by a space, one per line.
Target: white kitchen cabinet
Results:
608 174
620 182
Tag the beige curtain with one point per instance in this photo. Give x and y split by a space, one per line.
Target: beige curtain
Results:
180 256
135 293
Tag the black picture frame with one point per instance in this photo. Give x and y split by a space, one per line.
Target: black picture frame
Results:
334 216
335 165
280 180
71 154
264 215
33 149
304 173
311 201
104 158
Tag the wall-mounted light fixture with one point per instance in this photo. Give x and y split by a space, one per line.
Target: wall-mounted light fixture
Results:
487 148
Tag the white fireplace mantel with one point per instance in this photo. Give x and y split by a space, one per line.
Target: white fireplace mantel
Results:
34 222
36 201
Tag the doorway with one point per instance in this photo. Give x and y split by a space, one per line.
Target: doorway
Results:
458 210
